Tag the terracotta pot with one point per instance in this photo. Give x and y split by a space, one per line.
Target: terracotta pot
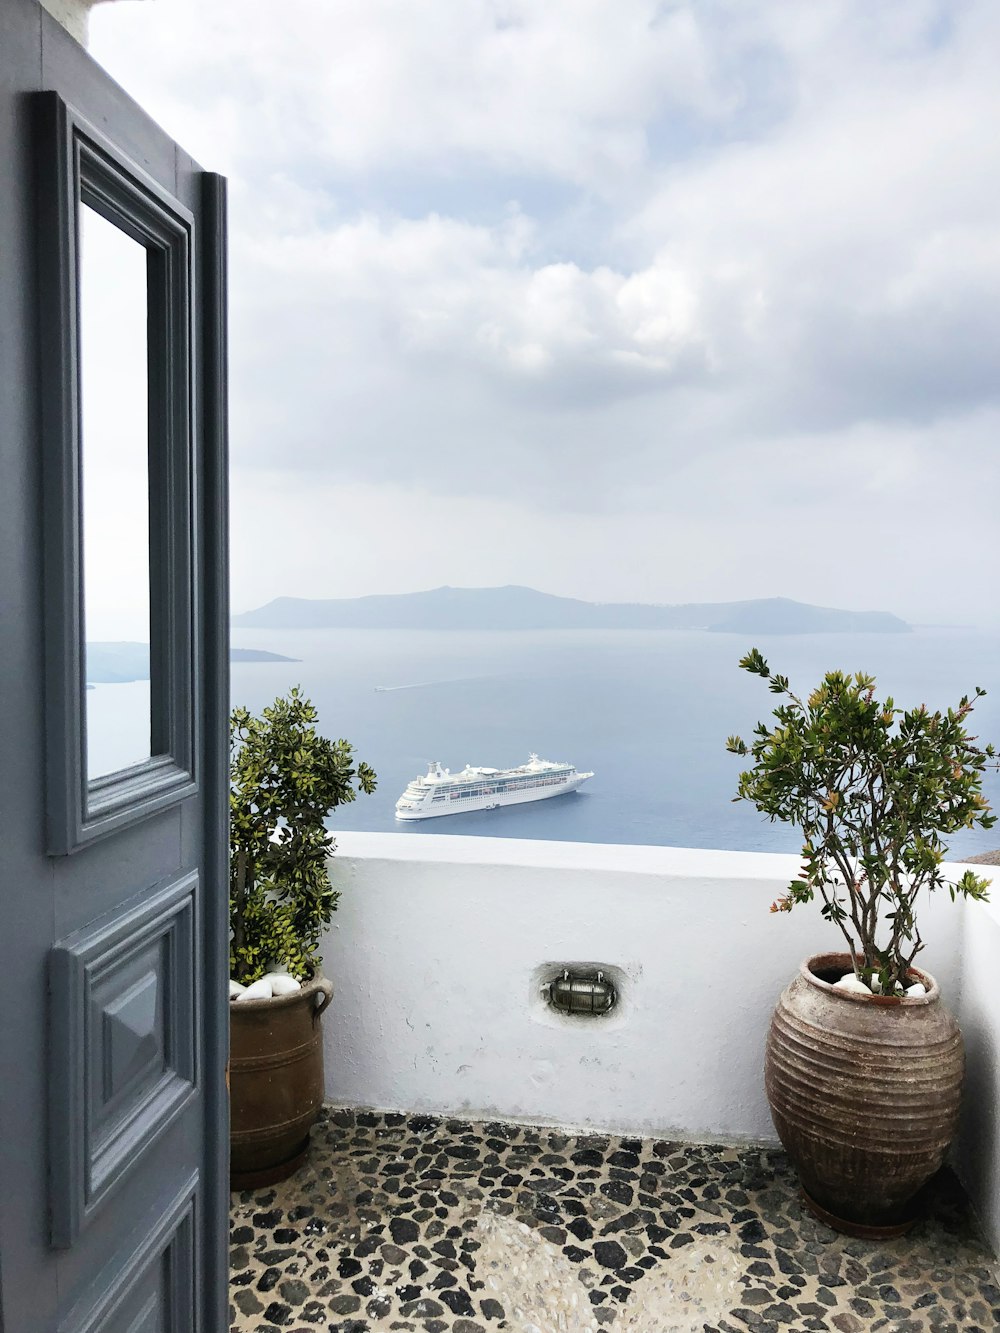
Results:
276 1082
864 1093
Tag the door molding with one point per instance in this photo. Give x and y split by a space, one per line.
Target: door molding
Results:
122 1022
156 1284
76 165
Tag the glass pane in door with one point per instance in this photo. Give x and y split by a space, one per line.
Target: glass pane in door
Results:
115 494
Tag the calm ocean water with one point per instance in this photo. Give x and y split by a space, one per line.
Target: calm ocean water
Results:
648 712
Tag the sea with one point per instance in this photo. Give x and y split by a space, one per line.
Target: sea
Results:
647 711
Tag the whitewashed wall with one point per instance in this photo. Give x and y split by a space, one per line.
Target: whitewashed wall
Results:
977 1155
72 14
438 938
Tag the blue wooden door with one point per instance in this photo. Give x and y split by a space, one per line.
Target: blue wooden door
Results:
113 851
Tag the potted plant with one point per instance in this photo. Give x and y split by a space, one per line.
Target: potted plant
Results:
286 780
864 1063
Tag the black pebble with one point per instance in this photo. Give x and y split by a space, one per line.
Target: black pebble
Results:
751 1231
617 1190
610 1254
457 1301
403 1229
588 1157
628 1159
422 1123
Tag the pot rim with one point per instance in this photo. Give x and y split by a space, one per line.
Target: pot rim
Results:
843 960
317 982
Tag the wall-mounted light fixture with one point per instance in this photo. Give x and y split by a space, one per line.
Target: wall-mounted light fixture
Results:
587 993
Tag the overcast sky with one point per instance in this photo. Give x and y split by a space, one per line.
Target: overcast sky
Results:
618 299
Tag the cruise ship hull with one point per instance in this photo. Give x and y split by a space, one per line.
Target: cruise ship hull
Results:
493 801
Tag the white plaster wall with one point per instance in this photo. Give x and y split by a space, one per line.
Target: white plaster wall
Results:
977 1155
73 15
433 949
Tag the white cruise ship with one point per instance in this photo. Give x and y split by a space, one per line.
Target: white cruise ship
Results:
441 792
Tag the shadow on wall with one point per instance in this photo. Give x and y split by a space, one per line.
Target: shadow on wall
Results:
977 1155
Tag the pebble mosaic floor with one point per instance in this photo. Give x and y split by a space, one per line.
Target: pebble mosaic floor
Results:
409 1222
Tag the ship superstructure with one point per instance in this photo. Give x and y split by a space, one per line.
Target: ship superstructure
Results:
441 792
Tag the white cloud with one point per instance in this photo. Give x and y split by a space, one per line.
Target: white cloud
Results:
912 532
646 269
561 88
445 287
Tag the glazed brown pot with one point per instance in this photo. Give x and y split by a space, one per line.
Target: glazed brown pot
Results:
275 1082
864 1093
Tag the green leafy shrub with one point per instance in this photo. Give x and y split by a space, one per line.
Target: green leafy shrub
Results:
285 780
873 789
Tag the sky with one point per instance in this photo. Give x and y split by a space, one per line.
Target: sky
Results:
619 299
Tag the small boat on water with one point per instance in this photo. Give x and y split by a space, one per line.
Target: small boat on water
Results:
441 792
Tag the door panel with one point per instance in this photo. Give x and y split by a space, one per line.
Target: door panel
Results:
123 1049
78 168
114 893
153 1290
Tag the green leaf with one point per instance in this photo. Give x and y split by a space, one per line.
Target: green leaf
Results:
286 780
875 791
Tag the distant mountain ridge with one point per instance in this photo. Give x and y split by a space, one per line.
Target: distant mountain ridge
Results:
517 608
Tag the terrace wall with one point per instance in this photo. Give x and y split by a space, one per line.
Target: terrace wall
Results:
977 1152
436 953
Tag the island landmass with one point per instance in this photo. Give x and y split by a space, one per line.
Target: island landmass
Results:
517 608
119 663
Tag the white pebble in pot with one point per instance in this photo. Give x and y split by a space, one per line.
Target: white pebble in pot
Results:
282 983
258 990
851 983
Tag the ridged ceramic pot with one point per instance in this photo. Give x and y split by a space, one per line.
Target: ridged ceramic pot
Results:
275 1082
864 1093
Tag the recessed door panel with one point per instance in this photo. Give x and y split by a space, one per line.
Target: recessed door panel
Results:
154 1285
123 1013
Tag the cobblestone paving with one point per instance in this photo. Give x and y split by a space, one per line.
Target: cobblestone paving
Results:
443 1226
